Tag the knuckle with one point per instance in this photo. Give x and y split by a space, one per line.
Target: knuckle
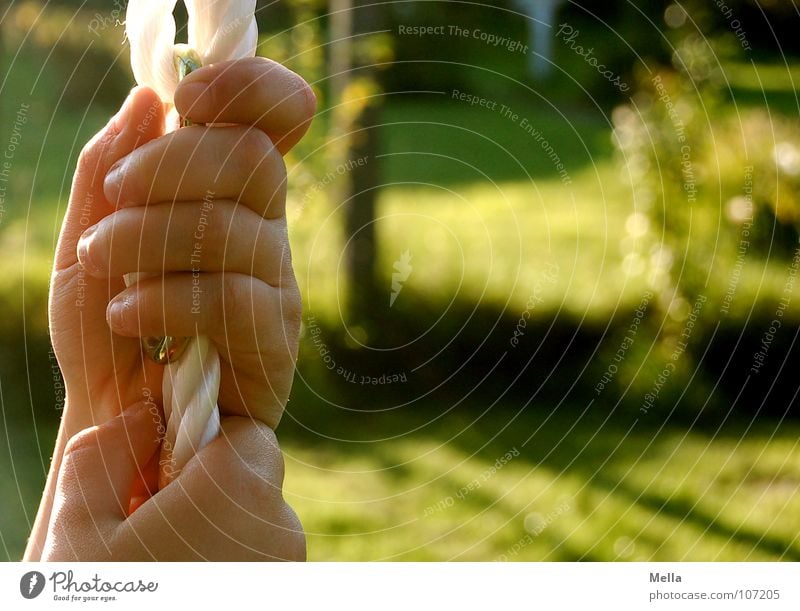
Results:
117 229
272 258
138 179
271 185
271 172
218 230
255 144
264 167
258 486
80 444
236 305
97 248
86 156
259 467
93 151
261 164
287 278
292 307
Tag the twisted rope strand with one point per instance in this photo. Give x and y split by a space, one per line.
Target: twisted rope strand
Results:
190 390
190 387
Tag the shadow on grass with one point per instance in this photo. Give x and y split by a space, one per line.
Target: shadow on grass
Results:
535 399
685 510
538 399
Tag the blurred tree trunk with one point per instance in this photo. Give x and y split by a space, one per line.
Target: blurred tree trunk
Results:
362 253
354 124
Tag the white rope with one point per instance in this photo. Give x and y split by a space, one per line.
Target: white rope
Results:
219 30
190 389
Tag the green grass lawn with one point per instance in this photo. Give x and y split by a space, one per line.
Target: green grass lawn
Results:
408 487
577 490
493 242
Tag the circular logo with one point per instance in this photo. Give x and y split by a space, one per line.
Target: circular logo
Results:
31 584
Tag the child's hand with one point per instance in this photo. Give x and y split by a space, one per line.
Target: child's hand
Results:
228 506
201 208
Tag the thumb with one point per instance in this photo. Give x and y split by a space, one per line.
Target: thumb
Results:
140 120
102 463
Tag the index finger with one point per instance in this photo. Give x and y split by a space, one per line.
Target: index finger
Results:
253 91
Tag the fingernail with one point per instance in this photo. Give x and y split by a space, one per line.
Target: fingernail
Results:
194 98
113 182
116 314
86 256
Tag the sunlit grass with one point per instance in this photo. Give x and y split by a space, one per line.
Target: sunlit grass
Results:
494 243
763 77
590 494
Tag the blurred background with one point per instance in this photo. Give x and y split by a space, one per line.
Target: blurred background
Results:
548 255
